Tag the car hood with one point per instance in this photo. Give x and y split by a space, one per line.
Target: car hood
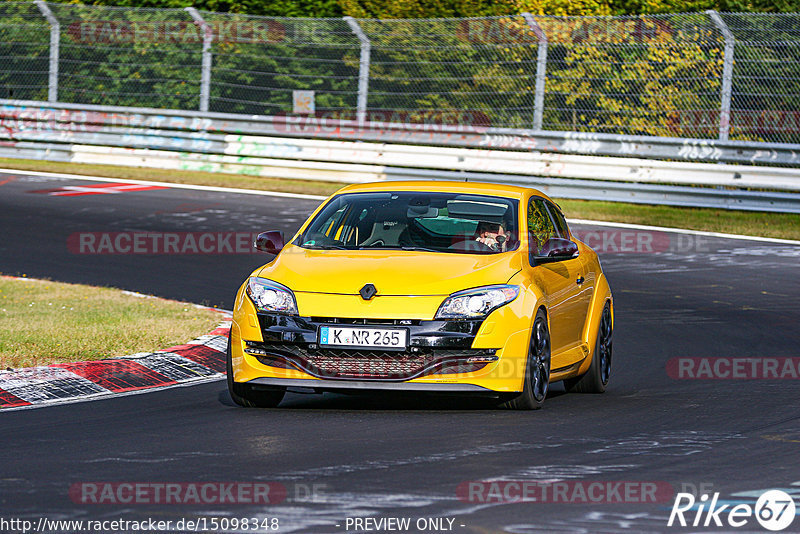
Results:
392 272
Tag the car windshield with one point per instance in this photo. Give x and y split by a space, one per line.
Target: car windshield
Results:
435 222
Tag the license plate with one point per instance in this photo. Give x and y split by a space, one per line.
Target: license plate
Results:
346 336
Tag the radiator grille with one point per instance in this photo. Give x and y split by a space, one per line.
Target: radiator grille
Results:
373 364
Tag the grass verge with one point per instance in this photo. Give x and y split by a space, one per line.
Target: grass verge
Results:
43 322
780 225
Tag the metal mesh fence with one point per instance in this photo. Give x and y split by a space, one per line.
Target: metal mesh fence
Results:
259 62
658 75
128 57
470 72
24 51
765 102
692 75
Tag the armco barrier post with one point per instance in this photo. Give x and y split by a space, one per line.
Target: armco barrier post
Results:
363 69
55 40
727 76
541 70
205 74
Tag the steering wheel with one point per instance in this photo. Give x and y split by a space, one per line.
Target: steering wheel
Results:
471 244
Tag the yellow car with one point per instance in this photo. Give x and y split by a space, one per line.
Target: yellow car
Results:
444 287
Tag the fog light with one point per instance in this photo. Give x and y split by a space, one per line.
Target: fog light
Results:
482 359
250 348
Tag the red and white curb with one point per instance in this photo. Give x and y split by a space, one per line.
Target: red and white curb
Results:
199 360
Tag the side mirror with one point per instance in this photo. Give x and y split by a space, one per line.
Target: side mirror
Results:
556 249
270 242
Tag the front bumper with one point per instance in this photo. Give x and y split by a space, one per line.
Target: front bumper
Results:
434 348
460 356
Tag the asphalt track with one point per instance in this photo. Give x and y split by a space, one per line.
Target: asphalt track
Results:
378 456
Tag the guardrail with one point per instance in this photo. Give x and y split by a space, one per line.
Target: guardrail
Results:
586 166
19 117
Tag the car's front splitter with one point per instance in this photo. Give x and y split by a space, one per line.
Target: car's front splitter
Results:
334 385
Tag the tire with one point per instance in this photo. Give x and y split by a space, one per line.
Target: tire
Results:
244 395
537 369
596 378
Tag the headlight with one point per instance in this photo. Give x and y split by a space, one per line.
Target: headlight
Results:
476 303
271 296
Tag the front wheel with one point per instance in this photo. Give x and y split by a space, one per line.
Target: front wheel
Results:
244 395
537 369
596 378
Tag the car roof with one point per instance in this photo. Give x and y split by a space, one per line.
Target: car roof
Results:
445 186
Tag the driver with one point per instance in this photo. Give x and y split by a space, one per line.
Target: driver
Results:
493 235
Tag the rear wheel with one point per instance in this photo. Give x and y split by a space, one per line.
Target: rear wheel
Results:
537 369
596 378
245 395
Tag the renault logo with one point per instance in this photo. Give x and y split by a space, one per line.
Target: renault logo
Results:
368 291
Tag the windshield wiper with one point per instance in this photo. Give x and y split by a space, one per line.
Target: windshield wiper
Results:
421 249
326 247
399 247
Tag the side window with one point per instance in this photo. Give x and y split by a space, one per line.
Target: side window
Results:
562 230
540 225
341 225
333 227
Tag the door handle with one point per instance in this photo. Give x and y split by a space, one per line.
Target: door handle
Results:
580 280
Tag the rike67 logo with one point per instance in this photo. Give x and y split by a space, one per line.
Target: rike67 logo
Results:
774 510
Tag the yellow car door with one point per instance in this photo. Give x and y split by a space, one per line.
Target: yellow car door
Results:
562 281
581 271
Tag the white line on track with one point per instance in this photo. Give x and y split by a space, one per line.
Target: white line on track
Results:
318 197
684 231
164 184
